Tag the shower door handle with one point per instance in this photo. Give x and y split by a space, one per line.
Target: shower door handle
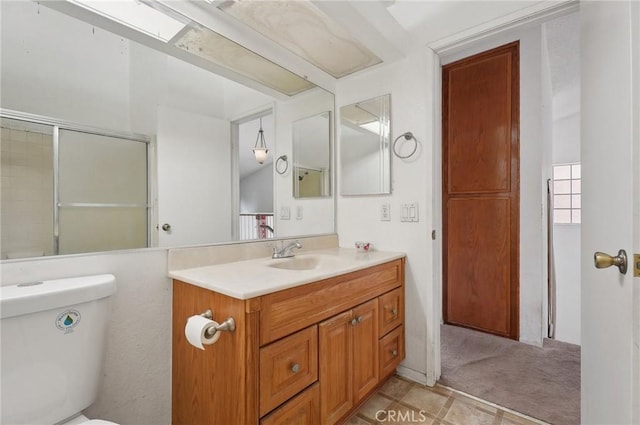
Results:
603 260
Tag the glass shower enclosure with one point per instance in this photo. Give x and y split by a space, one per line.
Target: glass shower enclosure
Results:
69 189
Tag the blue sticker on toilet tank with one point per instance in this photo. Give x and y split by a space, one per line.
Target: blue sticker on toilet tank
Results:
68 320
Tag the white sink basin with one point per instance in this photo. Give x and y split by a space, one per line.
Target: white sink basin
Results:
304 262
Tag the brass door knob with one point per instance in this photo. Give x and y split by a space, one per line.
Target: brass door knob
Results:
602 260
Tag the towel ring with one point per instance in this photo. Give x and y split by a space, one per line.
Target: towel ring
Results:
282 158
407 136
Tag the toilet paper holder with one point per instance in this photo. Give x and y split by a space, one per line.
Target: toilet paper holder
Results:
228 325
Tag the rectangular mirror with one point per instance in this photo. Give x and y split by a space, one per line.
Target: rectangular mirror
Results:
312 156
67 77
365 154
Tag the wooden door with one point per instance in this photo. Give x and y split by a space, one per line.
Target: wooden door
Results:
336 367
480 136
365 349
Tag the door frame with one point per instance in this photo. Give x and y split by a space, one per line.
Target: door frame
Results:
440 51
235 163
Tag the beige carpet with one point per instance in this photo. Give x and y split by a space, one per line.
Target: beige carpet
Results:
541 382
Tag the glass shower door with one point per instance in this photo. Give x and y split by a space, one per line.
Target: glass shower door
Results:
102 193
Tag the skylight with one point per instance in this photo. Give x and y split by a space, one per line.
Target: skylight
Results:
136 15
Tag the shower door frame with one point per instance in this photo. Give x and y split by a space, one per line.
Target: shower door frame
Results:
56 126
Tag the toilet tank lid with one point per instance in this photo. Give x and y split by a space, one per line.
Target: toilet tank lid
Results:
26 298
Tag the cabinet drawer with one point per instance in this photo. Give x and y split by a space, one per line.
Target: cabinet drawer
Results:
391 351
287 367
390 310
287 311
303 409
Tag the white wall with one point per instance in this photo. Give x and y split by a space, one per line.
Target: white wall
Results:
547 154
256 191
408 82
136 378
72 75
566 237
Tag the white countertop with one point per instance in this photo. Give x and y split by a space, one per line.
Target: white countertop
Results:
252 278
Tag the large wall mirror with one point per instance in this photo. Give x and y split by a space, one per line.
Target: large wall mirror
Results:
365 152
80 102
312 156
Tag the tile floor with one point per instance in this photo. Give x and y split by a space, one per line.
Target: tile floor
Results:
404 402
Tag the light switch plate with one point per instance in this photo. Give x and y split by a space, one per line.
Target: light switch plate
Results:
299 212
409 212
285 213
385 212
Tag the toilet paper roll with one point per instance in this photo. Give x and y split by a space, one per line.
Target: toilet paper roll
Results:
195 329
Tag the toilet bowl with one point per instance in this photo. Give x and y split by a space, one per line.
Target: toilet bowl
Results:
83 420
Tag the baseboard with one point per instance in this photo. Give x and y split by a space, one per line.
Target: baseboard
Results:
413 375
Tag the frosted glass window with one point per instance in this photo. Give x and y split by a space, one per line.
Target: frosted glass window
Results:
561 216
562 201
562 186
576 186
567 188
561 172
575 171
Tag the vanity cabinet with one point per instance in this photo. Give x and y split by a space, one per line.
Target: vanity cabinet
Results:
306 355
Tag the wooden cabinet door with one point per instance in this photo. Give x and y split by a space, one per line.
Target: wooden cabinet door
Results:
365 349
336 367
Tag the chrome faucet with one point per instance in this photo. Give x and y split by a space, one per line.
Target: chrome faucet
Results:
286 251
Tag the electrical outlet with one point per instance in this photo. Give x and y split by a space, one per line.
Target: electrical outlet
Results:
385 212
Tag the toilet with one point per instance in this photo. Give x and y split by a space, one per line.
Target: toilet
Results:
53 336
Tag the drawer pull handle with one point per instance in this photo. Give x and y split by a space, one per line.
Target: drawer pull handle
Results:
354 322
295 368
394 353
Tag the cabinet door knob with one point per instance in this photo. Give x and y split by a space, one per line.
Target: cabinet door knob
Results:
295 368
359 319
394 353
394 311
354 322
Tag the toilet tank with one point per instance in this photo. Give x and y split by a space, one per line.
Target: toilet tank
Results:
53 336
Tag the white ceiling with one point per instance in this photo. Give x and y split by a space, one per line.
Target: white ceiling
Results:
389 29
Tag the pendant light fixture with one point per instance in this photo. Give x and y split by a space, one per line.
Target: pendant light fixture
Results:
260 150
